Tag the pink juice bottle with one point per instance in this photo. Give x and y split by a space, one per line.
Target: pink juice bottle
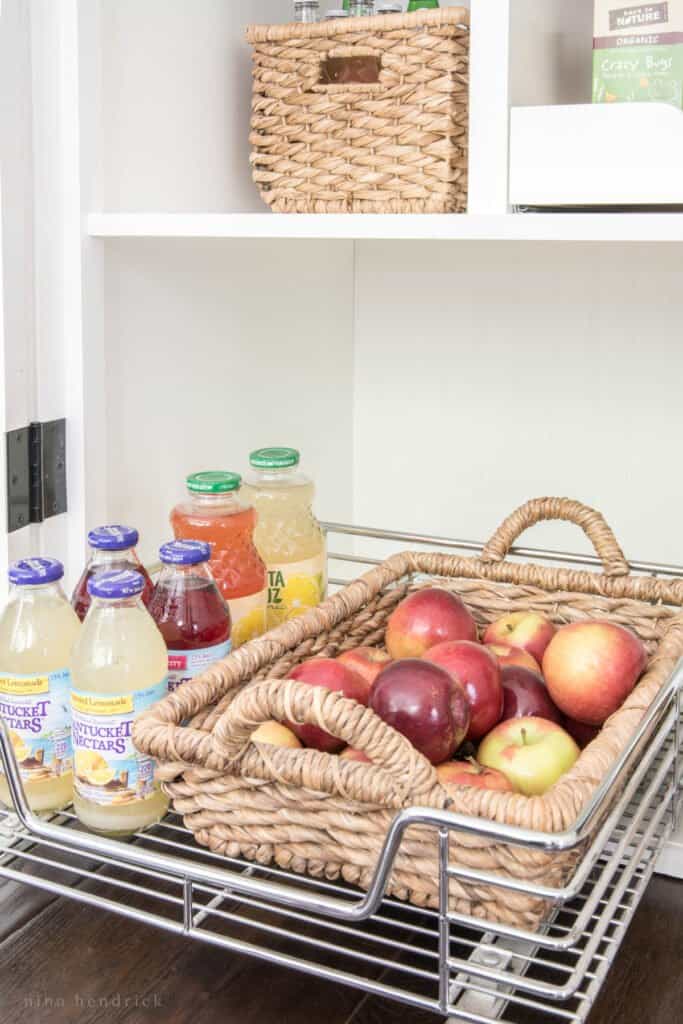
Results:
189 610
111 548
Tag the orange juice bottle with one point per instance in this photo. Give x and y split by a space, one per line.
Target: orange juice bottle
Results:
214 512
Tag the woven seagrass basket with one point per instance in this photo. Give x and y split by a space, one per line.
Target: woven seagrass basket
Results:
391 140
314 813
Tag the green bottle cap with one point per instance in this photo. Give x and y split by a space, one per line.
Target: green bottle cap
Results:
213 482
274 458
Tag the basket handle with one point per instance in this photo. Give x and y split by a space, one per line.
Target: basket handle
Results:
398 774
540 509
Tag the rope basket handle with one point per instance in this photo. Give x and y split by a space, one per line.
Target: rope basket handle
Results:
539 510
398 773
398 776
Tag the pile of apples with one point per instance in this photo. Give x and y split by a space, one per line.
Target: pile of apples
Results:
525 699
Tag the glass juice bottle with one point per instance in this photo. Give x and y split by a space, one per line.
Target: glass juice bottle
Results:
188 609
288 535
38 629
361 8
111 547
119 670
215 513
306 12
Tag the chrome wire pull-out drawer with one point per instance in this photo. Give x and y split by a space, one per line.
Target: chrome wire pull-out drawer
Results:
434 959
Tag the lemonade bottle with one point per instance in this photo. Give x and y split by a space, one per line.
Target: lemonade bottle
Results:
216 513
288 535
119 670
38 629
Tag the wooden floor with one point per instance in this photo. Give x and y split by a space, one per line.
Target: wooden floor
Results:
64 962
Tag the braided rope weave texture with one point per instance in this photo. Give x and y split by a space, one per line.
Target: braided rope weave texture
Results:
313 813
395 146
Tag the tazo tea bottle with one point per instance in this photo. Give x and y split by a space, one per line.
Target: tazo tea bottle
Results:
287 533
38 629
119 670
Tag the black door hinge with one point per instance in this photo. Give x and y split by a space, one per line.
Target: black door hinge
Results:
36 473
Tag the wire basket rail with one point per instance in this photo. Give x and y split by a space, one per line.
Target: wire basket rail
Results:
434 959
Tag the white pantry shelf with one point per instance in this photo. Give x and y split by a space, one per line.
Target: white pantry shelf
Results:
562 227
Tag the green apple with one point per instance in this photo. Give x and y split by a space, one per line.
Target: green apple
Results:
532 753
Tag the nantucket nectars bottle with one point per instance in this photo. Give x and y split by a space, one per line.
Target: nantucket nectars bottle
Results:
38 629
120 669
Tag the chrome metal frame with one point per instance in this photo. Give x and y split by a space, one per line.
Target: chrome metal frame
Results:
446 962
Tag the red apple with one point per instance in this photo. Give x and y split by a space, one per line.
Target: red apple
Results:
328 673
470 773
583 734
526 630
425 703
525 695
426 618
351 754
366 662
591 667
508 655
479 673
532 753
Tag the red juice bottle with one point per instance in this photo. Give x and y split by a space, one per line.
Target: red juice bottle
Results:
111 548
189 610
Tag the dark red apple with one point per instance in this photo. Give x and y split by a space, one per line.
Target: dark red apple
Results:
479 672
331 675
581 733
426 618
425 703
525 695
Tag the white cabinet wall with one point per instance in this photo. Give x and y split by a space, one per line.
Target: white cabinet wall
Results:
432 385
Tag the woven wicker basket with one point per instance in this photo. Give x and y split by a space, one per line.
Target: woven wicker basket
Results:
395 145
313 812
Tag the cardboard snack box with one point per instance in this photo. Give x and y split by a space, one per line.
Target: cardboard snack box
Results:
638 52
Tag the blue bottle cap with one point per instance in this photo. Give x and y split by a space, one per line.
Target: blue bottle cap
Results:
31 572
113 538
185 552
117 583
